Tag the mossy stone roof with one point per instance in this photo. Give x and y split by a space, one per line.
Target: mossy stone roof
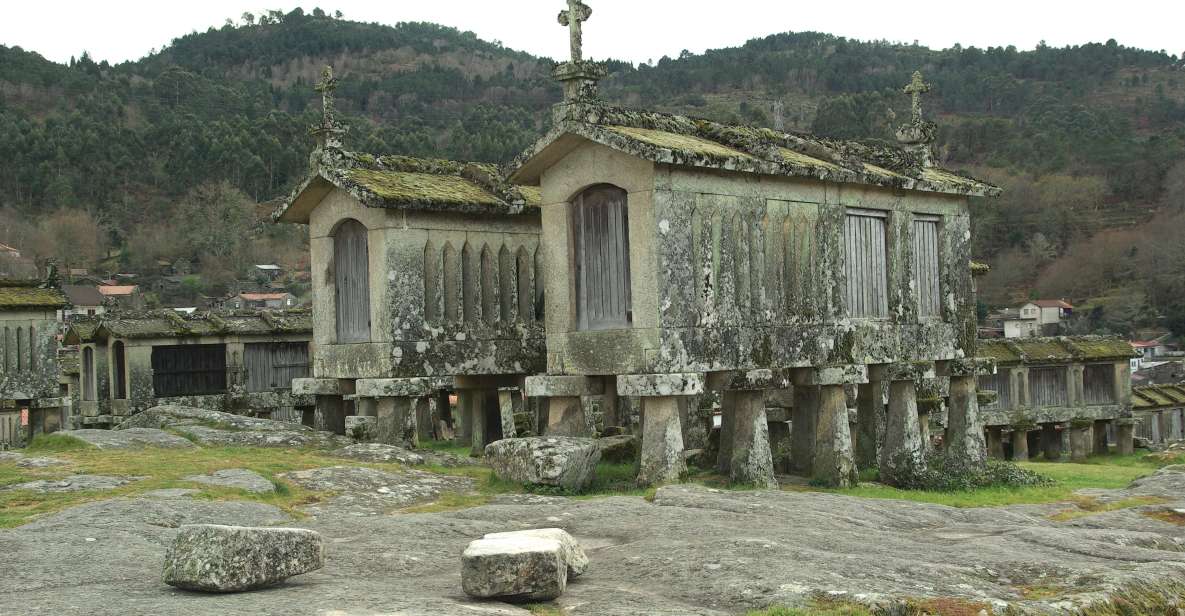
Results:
1061 349
684 141
405 182
170 324
1150 397
19 294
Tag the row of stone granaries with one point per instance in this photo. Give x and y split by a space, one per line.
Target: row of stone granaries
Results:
703 286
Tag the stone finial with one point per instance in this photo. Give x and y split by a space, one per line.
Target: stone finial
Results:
578 76
328 133
918 134
576 14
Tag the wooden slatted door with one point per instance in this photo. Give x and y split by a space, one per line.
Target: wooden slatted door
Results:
188 370
1047 386
1001 384
351 277
119 366
273 365
925 265
600 228
866 265
88 374
1098 384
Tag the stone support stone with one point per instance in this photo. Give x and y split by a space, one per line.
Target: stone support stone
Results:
330 414
728 402
1080 443
506 406
1099 433
802 428
463 416
393 419
1124 432
611 404
662 441
834 464
565 417
870 420
995 442
964 431
1051 442
424 424
901 454
750 459
1020 445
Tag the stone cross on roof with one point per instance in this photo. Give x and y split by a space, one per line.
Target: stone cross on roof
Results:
329 131
577 13
915 89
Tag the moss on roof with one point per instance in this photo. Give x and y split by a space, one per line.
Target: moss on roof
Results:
677 142
798 158
29 296
170 324
422 188
82 329
1158 396
1060 349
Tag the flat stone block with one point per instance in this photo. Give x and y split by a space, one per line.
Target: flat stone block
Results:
566 462
749 380
522 568
570 549
317 387
398 388
660 385
966 366
563 386
850 374
214 558
909 371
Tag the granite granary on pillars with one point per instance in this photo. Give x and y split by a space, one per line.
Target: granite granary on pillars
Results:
423 283
1053 394
237 362
683 254
1160 412
30 399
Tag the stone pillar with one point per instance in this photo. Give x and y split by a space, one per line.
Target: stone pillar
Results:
901 454
1124 436
803 418
506 411
478 436
1051 442
611 404
744 452
924 429
565 417
834 463
1020 445
1099 432
1080 443
560 397
870 419
995 442
661 459
393 416
965 443
423 431
463 416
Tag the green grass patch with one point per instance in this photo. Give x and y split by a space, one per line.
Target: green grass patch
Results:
544 609
816 607
1087 505
450 501
52 443
1167 515
457 449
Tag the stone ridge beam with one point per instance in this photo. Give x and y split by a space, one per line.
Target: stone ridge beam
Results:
850 374
660 385
413 387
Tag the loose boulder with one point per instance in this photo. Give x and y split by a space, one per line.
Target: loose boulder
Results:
562 461
520 568
621 448
214 558
570 550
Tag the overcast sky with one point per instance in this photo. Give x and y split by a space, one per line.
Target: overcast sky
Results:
634 30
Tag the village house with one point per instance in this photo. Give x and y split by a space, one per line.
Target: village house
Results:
424 281
29 389
85 300
269 271
260 300
1042 317
233 362
684 255
1044 387
124 296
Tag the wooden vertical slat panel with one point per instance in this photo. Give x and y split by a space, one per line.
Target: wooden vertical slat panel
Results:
600 230
351 261
926 267
866 265
1048 386
1098 386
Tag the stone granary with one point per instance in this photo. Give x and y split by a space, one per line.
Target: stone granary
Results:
237 362
423 282
30 400
1159 411
683 254
1045 385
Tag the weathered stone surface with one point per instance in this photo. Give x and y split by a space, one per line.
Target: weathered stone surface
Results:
367 491
227 429
518 569
132 438
965 443
661 460
215 558
622 448
239 478
10 456
171 493
40 462
834 463
379 452
901 454
751 461
570 549
73 483
562 461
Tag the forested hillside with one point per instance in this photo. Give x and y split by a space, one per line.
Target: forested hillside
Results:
1089 141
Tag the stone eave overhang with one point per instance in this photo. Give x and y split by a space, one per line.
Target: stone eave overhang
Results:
735 149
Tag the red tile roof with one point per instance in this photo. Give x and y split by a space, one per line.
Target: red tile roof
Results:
262 297
1052 303
117 290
